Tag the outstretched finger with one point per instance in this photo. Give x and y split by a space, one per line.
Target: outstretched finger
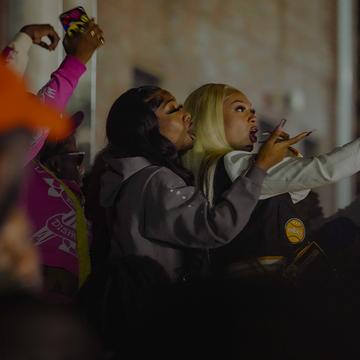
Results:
284 136
297 138
275 135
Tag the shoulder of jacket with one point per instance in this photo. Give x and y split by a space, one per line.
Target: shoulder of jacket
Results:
164 176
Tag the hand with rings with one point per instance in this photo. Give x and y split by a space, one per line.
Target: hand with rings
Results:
83 44
99 36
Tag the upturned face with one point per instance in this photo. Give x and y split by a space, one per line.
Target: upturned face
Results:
174 122
239 122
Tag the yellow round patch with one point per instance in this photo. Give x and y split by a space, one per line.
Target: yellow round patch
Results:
295 230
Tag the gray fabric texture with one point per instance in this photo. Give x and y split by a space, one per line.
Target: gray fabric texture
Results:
154 212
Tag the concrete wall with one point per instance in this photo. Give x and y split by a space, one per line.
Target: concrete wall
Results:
281 53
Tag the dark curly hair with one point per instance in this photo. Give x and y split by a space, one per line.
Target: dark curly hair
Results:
132 129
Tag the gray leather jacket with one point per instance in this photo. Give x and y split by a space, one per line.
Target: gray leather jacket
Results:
154 213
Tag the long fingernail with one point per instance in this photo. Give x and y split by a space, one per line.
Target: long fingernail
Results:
282 123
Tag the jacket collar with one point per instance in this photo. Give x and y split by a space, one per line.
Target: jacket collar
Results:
118 171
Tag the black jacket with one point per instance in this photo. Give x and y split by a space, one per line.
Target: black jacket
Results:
274 229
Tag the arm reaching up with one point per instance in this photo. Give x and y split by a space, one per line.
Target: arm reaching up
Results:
79 49
57 92
295 173
17 52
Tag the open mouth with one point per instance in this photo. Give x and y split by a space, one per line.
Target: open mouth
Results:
252 134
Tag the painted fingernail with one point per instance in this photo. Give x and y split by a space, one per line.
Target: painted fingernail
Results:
282 123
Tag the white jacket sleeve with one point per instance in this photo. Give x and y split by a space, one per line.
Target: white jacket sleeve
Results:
296 174
17 56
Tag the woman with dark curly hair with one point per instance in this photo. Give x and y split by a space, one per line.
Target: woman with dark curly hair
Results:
152 206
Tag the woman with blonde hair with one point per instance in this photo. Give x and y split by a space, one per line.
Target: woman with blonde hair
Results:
226 127
152 206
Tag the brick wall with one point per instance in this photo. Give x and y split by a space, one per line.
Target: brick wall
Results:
270 49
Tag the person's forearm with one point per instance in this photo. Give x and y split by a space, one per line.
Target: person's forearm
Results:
308 173
63 82
57 92
295 174
16 54
190 220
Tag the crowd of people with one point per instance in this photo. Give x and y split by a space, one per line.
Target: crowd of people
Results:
180 240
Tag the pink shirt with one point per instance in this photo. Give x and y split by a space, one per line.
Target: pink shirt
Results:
53 218
57 92
50 210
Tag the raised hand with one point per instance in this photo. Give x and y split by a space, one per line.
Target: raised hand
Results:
38 32
83 44
273 150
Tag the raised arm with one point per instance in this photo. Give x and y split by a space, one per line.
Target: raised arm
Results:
79 49
179 214
295 174
57 92
182 215
16 54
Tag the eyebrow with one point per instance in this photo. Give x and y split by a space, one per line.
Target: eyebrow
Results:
241 102
170 100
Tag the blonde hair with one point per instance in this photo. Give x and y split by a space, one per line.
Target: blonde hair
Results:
205 105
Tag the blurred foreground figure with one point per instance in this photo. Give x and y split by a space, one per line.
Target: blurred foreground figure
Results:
19 259
21 115
33 330
29 329
52 195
